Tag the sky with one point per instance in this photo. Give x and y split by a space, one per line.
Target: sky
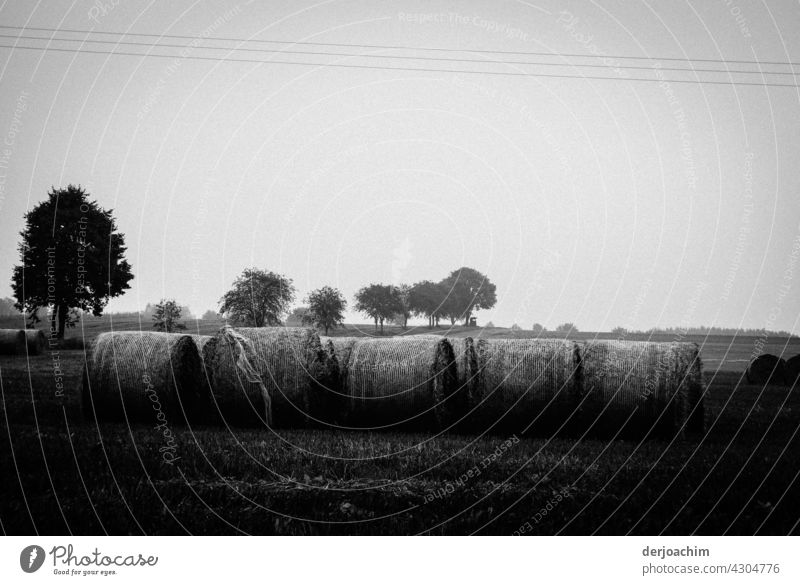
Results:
602 202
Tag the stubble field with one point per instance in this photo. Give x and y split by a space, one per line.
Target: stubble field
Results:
61 475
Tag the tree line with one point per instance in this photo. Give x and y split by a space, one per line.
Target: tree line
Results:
259 298
72 261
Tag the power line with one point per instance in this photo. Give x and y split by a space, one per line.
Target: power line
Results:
414 69
402 57
400 47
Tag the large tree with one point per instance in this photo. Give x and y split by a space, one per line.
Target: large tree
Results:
72 257
258 298
378 301
468 291
326 308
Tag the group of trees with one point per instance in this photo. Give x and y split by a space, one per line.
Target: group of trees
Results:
73 259
456 297
259 298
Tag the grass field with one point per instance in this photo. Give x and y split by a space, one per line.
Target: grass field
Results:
61 475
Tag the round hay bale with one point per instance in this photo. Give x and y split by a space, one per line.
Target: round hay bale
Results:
142 377
767 369
35 340
12 342
400 381
631 388
522 385
793 369
265 375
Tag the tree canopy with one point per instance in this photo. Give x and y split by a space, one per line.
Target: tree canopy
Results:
379 302
426 299
258 298
166 314
326 308
468 291
72 257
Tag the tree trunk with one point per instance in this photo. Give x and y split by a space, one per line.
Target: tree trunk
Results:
466 319
53 322
326 331
62 320
376 323
381 326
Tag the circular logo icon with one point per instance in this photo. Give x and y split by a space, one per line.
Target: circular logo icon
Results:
31 558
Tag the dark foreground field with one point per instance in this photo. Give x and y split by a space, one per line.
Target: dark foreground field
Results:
61 475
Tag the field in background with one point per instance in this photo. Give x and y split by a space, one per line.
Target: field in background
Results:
62 475
719 352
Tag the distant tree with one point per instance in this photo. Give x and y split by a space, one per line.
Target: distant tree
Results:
298 316
619 331
258 298
425 299
72 257
379 302
468 291
7 308
489 325
516 328
402 293
455 301
566 328
538 328
326 308
150 310
210 315
166 315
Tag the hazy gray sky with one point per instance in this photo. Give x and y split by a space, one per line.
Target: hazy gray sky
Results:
599 202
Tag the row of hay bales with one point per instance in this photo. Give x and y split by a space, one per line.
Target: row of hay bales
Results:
22 341
289 377
771 369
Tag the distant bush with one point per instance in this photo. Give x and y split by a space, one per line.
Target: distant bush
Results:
567 328
538 328
210 315
516 327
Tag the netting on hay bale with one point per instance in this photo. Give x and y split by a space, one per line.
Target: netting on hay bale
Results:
12 342
522 385
635 388
35 340
400 381
141 377
263 373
